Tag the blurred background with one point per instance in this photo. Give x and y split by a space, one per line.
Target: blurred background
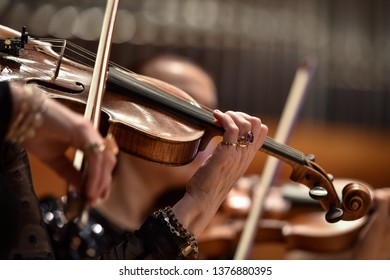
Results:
252 49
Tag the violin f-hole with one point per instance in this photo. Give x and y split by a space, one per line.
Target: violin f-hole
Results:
59 85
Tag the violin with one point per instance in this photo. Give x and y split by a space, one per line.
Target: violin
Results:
290 223
156 121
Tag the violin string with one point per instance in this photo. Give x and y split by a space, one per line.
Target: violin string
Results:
82 53
89 55
76 52
58 44
293 153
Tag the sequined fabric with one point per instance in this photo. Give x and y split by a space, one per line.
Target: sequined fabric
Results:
78 242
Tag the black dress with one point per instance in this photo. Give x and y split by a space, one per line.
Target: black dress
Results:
23 234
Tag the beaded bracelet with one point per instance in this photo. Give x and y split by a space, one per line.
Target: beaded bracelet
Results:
29 116
190 243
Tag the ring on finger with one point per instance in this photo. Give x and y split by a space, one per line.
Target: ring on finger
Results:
229 144
108 145
245 140
248 137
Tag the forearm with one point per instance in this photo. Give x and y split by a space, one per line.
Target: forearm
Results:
195 214
208 188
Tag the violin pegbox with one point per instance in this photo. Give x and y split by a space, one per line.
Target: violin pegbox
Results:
334 214
355 201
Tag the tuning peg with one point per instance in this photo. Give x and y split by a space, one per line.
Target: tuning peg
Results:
330 177
334 215
318 193
311 157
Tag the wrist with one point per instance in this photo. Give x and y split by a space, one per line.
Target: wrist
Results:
194 213
184 239
28 109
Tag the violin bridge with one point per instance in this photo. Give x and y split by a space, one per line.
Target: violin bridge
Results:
59 61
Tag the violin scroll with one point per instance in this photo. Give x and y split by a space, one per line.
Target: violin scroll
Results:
356 201
356 198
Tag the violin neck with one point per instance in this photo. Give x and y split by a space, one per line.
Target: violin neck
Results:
120 81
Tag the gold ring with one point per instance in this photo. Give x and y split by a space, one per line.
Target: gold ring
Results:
109 144
242 142
229 144
245 140
93 148
239 143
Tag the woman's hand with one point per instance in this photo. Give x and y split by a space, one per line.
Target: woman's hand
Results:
62 129
209 186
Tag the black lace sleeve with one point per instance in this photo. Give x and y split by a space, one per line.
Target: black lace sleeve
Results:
153 240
